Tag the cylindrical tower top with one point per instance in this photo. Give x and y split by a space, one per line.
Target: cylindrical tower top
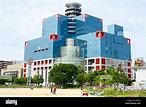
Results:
73 9
73 4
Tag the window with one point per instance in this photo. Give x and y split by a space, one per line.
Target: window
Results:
50 61
97 61
26 43
35 51
42 62
24 75
103 67
34 63
24 65
84 15
46 68
57 15
97 67
129 70
128 64
103 60
101 20
43 20
38 62
24 70
115 54
128 41
100 34
85 42
129 75
53 37
46 61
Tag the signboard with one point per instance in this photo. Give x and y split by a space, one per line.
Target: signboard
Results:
120 33
139 62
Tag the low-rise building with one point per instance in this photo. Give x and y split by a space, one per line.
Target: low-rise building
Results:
15 70
139 71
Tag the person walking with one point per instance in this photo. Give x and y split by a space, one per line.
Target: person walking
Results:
51 89
81 90
54 90
31 87
90 90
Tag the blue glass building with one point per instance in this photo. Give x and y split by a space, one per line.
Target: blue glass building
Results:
78 39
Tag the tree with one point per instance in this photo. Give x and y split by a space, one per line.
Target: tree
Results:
96 80
71 72
57 75
99 72
90 77
23 80
20 81
2 81
80 79
63 73
125 79
118 76
17 81
108 78
38 79
80 69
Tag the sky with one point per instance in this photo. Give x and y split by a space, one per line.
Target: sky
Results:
21 20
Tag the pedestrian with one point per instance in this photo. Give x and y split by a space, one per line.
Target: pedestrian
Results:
61 86
31 87
54 90
81 90
51 90
90 91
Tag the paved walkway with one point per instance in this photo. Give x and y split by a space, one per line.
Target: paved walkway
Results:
39 92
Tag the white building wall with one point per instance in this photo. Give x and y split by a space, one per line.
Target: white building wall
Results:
39 67
97 65
141 75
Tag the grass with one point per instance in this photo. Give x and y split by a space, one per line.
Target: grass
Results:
110 92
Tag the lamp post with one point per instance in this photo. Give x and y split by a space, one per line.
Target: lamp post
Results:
29 61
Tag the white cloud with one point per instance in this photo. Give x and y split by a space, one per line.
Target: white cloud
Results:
21 20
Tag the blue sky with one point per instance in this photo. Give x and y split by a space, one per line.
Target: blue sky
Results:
21 20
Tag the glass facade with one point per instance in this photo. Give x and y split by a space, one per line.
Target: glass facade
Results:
70 54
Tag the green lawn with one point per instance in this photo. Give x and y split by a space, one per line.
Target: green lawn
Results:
110 92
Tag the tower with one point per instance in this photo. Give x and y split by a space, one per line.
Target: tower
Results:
71 53
73 10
